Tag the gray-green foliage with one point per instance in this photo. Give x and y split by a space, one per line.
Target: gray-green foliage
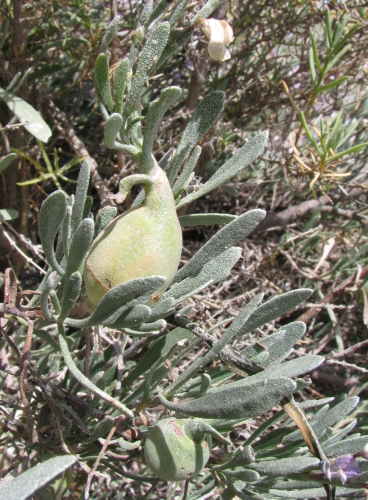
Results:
248 383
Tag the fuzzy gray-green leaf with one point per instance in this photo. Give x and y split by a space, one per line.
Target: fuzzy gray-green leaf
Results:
286 466
294 368
327 419
79 246
154 117
127 445
104 218
114 301
132 318
80 195
29 482
274 308
120 80
236 402
242 457
150 53
278 343
71 293
213 271
227 237
102 79
184 177
195 220
109 35
346 447
203 118
244 157
112 128
50 218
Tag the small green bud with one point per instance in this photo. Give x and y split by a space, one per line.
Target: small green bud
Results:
138 35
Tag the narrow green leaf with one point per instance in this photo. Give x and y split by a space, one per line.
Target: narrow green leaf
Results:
309 134
328 28
6 161
154 117
150 54
227 237
342 52
102 80
29 482
195 220
343 137
315 53
335 130
183 179
333 84
236 402
204 117
109 35
350 151
120 81
50 218
242 159
312 67
27 114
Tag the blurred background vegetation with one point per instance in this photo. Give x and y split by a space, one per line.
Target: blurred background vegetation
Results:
295 71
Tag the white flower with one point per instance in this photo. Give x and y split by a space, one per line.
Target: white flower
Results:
220 34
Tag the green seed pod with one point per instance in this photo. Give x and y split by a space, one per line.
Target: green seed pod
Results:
177 449
144 241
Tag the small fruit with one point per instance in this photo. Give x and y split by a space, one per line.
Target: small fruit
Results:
177 449
144 241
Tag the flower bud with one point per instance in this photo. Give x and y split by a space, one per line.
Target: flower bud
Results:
220 34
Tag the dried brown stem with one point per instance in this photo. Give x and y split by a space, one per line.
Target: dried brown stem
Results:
100 456
23 366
